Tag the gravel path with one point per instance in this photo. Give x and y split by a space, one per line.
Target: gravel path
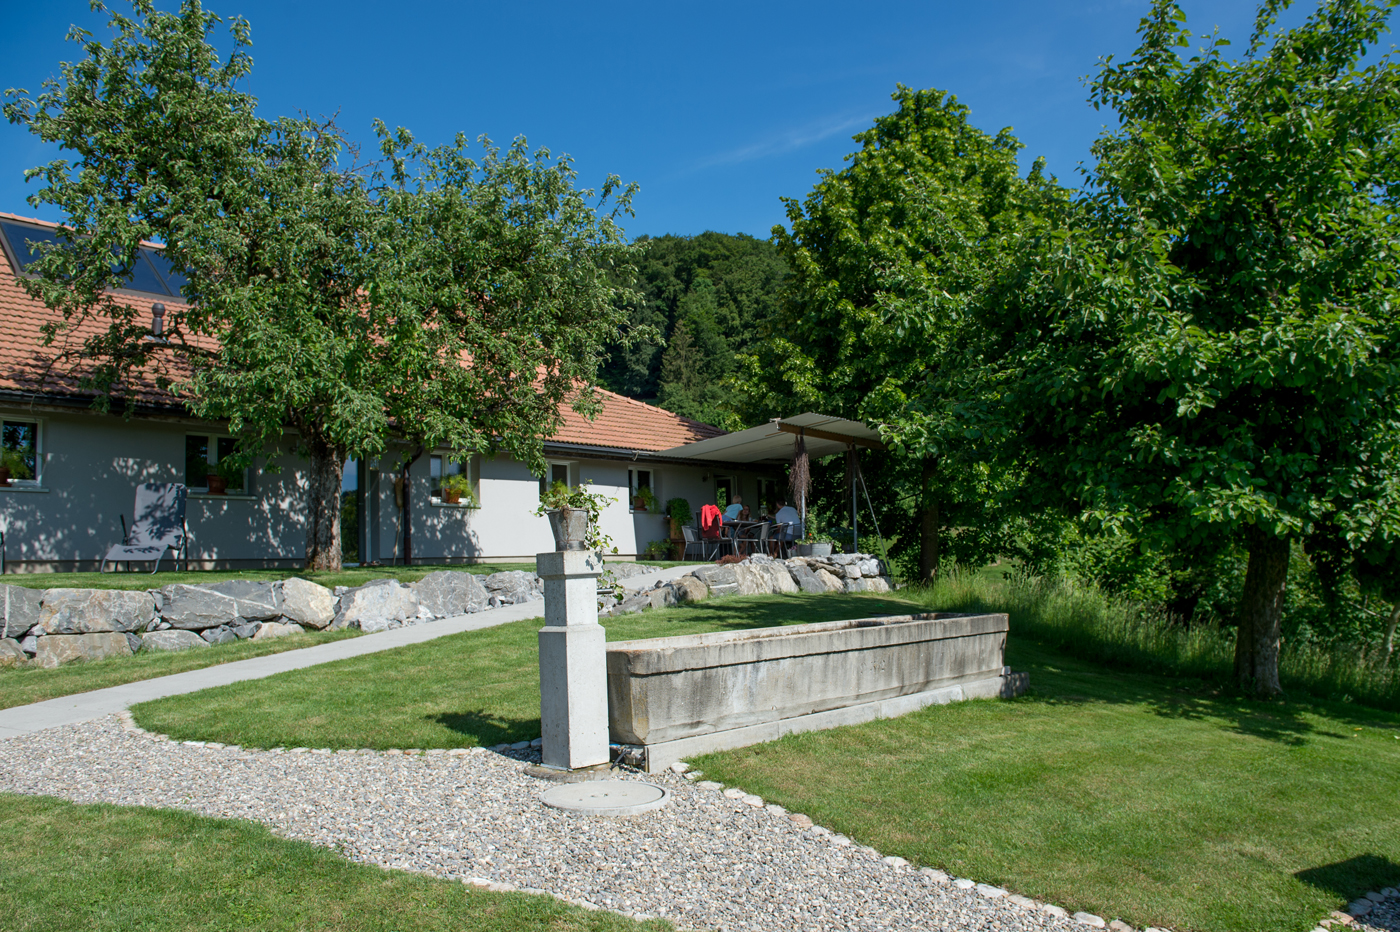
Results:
705 861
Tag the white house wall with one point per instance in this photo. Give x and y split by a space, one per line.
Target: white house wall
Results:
91 465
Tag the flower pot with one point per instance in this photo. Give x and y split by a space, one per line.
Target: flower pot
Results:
218 485
676 530
639 505
812 549
452 496
4 475
570 528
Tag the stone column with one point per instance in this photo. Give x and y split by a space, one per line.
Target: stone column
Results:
573 662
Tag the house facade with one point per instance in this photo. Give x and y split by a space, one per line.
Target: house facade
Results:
84 467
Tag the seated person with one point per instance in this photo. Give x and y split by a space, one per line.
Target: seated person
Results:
788 515
732 512
744 514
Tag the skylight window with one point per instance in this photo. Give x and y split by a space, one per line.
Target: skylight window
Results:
152 274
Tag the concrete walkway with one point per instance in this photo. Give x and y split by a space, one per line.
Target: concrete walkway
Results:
84 707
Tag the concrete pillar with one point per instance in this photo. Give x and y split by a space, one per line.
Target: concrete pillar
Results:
573 662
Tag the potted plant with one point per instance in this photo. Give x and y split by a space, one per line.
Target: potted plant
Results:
228 474
657 550
14 466
455 488
644 500
817 545
573 517
679 513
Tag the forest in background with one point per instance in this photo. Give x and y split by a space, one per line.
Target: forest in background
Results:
709 297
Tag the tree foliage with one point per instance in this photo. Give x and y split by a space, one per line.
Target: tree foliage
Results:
890 256
432 298
1207 356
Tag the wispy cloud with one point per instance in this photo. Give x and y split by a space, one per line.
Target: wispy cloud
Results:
784 141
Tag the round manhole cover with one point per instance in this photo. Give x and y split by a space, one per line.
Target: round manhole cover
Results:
606 797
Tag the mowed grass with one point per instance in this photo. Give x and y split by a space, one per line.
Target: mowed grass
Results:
1157 799
354 576
31 683
114 869
475 688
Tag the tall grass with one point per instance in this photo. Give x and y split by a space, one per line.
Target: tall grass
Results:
1079 619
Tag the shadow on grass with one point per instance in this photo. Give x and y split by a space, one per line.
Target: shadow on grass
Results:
1371 871
487 728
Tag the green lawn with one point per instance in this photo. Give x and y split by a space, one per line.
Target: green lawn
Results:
355 576
476 688
31 683
1155 799
113 869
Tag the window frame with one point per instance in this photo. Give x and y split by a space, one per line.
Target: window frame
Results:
471 465
38 481
11 252
633 484
212 449
570 473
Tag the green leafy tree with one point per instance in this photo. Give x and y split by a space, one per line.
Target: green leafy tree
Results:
1209 355
889 256
449 302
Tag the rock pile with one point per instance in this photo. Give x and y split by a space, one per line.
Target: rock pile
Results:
57 626
760 574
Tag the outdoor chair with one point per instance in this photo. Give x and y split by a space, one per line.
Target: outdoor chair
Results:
157 525
759 538
781 535
709 547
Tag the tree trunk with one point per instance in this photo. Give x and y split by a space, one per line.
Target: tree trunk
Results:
1390 631
323 508
929 540
408 507
1261 616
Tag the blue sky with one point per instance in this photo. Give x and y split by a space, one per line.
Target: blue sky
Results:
717 110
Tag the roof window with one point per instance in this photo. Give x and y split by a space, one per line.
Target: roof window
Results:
152 274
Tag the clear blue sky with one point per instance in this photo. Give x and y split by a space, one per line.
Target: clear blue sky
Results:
717 110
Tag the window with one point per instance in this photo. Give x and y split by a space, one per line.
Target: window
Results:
20 442
444 469
768 495
150 274
202 456
558 472
725 488
642 491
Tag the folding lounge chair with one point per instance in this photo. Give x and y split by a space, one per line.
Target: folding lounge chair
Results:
157 525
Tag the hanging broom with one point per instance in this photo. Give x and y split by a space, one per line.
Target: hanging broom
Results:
800 476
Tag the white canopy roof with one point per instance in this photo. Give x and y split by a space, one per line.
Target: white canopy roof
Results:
772 442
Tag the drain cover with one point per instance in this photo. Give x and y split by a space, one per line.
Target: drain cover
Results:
606 797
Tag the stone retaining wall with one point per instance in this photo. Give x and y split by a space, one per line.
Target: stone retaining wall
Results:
50 627
760 574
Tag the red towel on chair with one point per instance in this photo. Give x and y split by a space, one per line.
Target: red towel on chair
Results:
710 521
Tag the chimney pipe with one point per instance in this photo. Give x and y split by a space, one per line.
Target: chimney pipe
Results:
157 319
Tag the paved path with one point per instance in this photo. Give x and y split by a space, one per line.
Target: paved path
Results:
85 707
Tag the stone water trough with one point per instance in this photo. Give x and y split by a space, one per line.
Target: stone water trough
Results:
675 697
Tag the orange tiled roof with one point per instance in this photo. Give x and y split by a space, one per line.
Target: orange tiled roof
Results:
623 423
631 425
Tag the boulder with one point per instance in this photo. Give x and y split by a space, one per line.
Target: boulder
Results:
622 571
273 629
11 653
29 644
852 570
446 593
858 584
22 607
879 584
95 611
57 649
515 587
380 602
194 608
257 601
870 567
690 589
220 635
171 639
374 625
305 603
245 631
663 596
816 581
635 602
132 640
720 580
842 559
777 578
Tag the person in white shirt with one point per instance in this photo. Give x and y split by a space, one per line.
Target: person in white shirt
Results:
788 515
732 512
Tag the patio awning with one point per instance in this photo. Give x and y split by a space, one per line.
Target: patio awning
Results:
772 442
